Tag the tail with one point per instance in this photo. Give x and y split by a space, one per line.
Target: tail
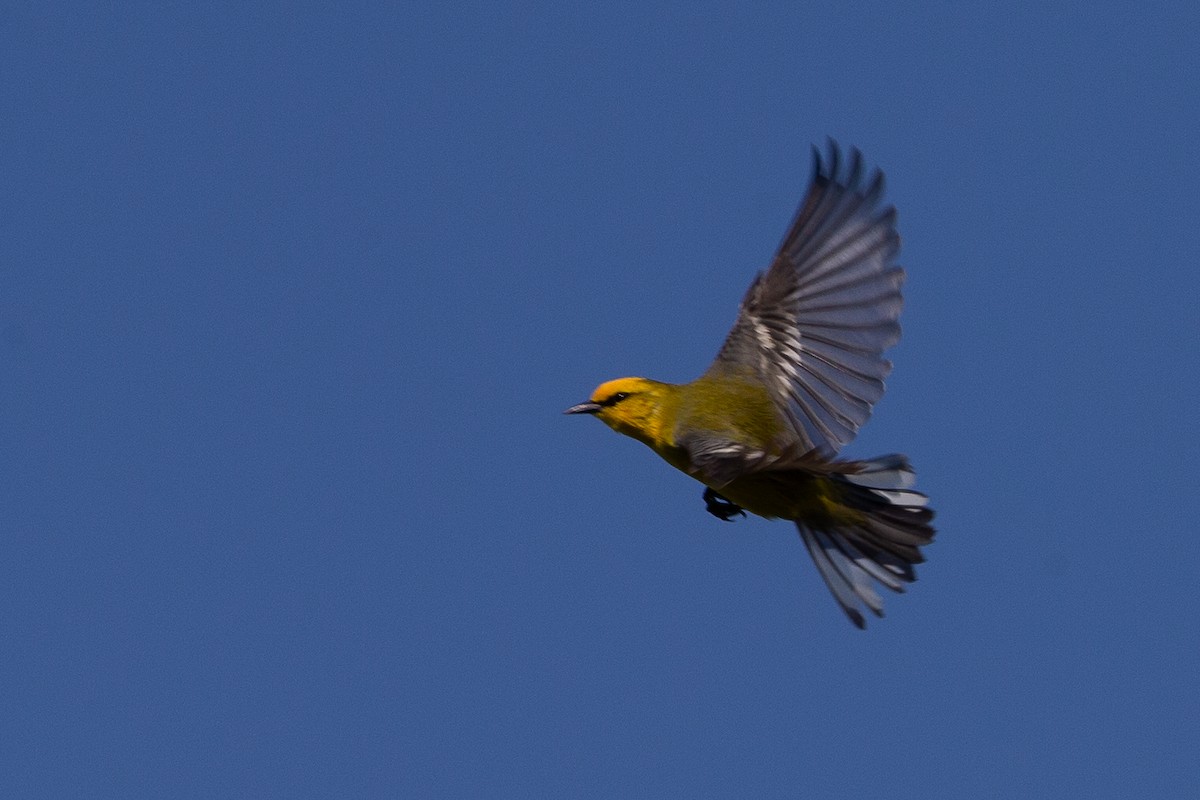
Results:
883 546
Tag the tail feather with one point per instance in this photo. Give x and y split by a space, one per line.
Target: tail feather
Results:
883 547
849 584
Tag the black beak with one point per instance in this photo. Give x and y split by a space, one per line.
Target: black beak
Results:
583 408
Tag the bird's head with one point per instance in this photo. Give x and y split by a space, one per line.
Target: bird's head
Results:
632 406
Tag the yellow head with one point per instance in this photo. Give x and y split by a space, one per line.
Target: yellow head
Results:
636 407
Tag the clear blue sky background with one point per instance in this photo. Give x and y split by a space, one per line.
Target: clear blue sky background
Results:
291 301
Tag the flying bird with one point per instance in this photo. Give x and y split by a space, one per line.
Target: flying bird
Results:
795 379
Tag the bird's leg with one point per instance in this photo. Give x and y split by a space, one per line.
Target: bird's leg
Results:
719 507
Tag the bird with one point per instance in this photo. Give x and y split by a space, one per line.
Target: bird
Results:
797 376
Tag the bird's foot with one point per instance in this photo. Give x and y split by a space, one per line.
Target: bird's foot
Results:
721 508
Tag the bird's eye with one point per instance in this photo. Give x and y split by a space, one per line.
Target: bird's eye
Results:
615 398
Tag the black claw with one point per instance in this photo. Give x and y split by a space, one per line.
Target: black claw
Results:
719 507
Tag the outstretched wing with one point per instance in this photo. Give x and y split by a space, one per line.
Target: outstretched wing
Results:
814 326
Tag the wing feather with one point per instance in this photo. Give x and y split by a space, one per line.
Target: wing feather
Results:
813 327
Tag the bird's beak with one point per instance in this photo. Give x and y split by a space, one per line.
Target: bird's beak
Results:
583 408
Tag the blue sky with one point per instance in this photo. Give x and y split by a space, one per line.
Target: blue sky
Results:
291 301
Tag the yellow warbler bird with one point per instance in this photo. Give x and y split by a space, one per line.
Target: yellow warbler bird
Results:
794 381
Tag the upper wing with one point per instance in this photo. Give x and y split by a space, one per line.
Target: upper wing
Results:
814 325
